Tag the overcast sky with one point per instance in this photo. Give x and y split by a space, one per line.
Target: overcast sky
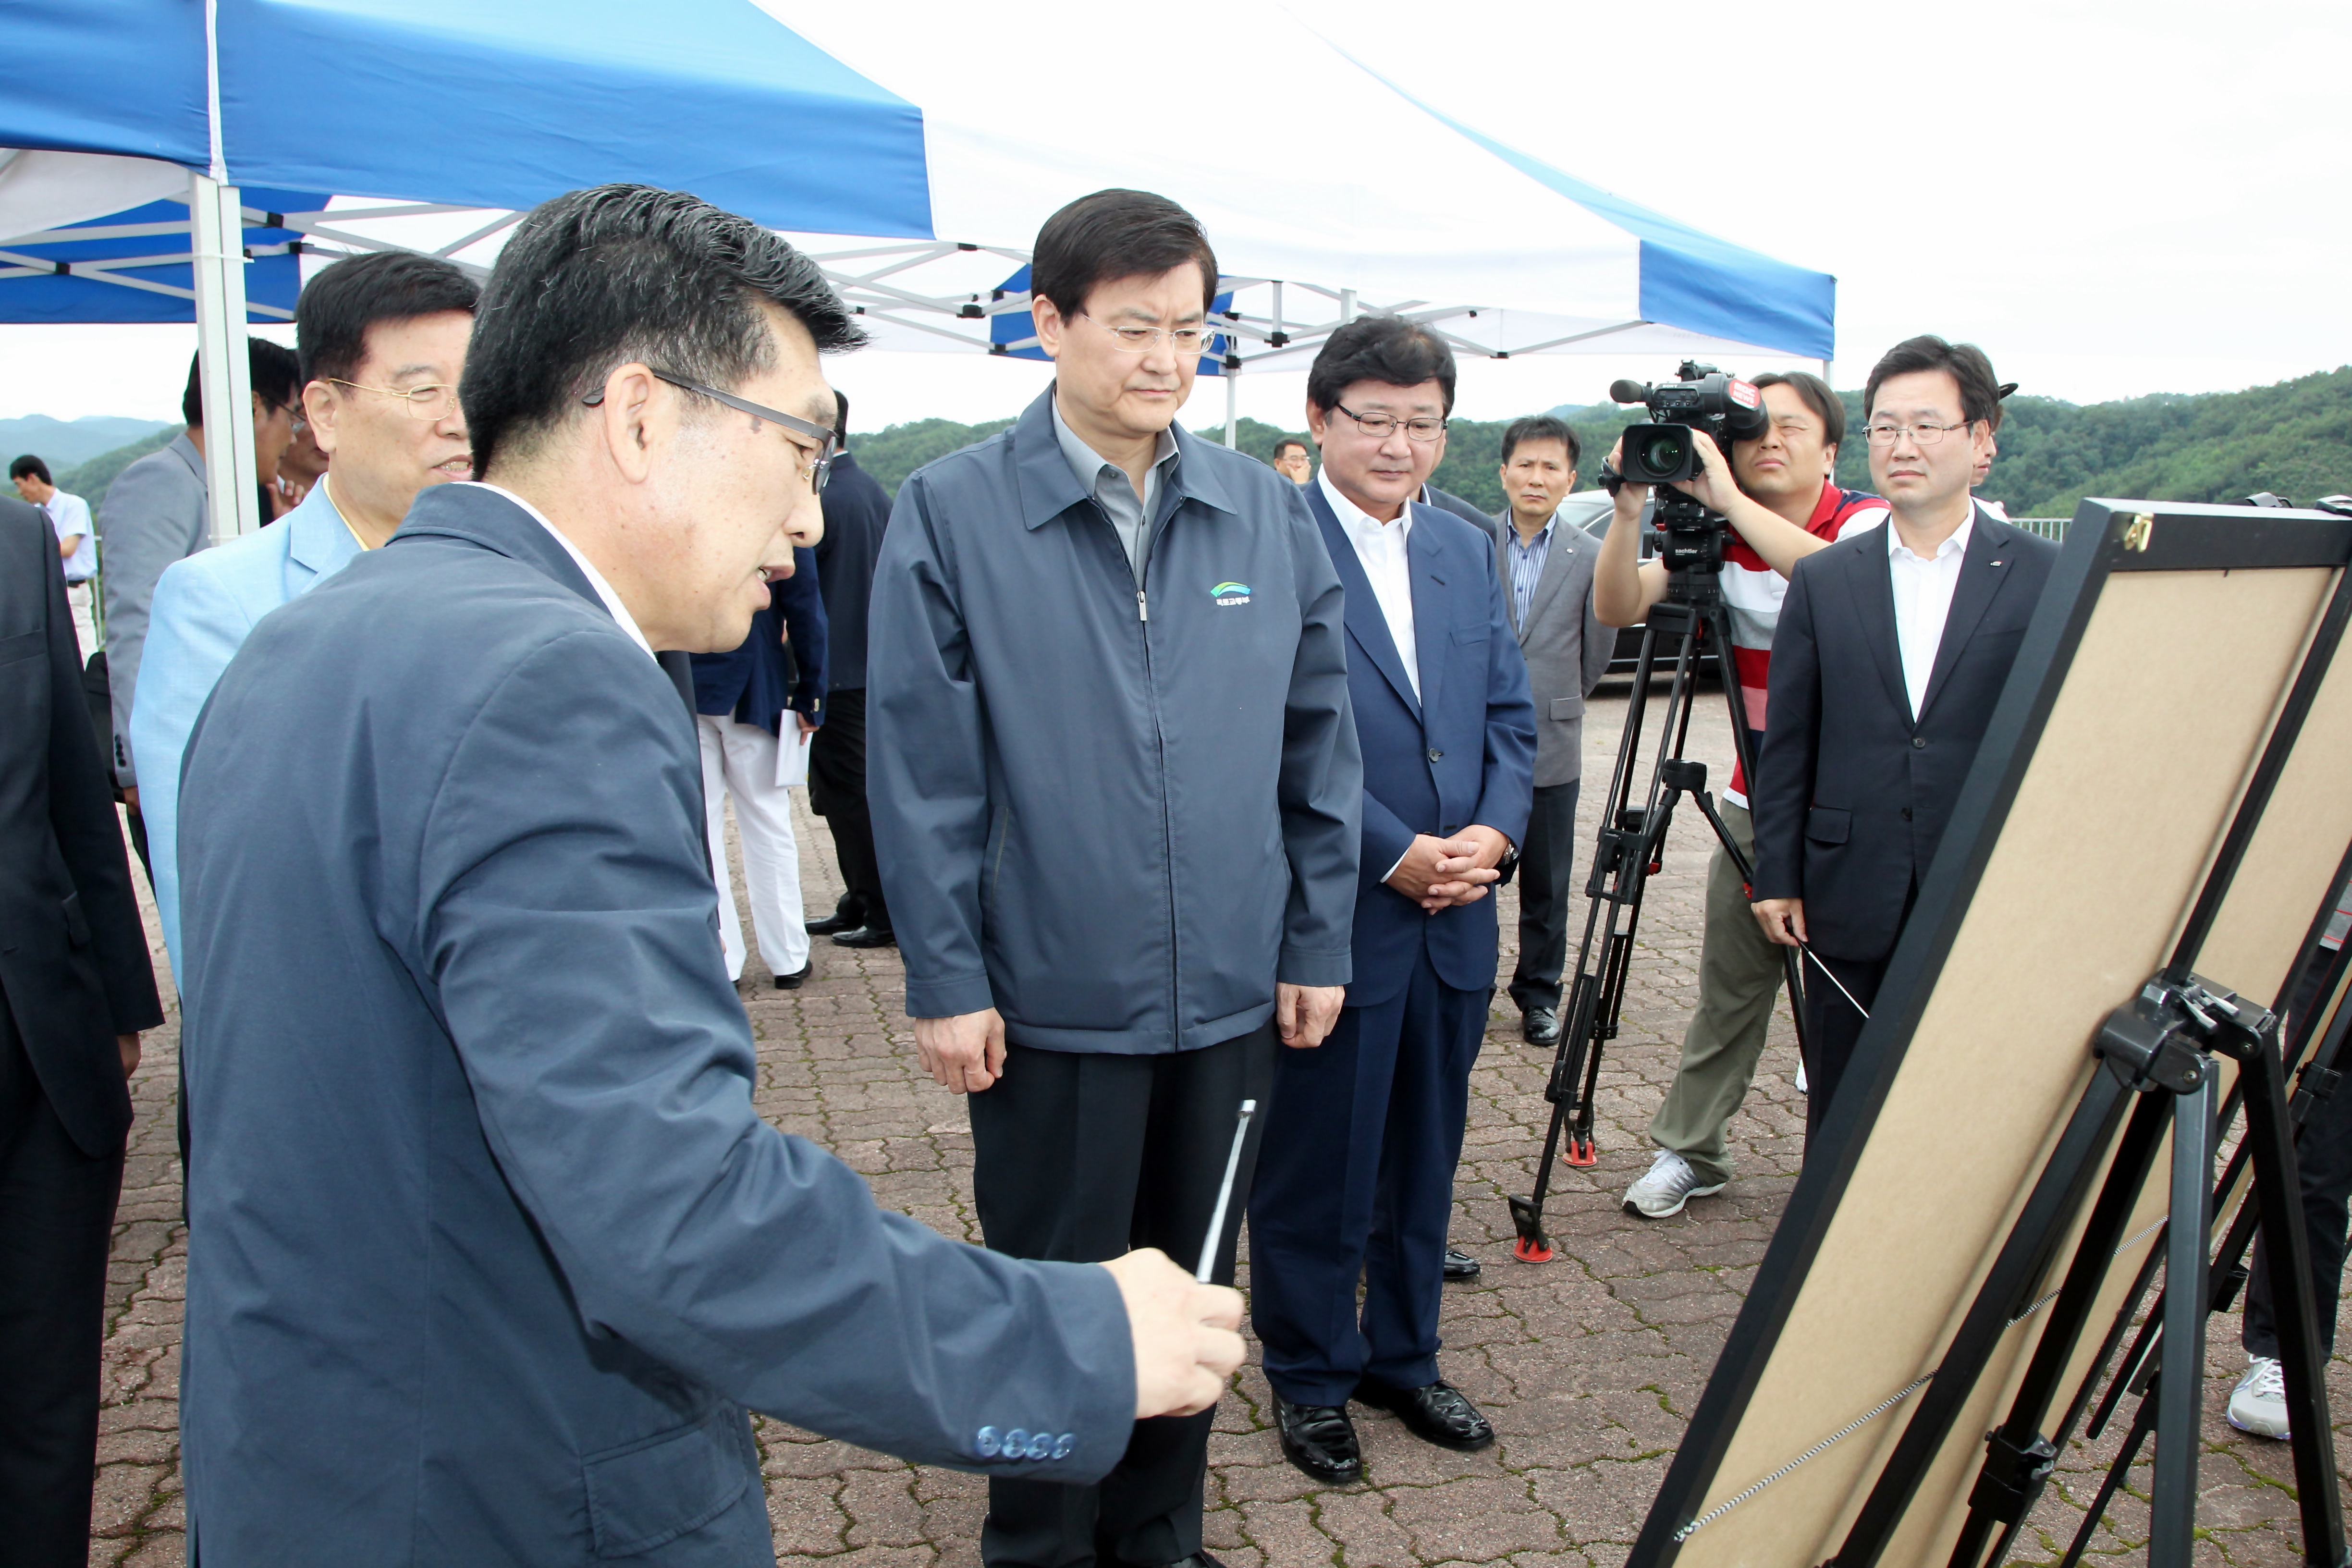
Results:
2112 198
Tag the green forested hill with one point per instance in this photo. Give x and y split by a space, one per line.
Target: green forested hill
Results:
2293 438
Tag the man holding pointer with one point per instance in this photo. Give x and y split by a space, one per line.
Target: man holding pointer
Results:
477 1182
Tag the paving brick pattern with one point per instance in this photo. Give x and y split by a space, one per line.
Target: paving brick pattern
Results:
1588 1366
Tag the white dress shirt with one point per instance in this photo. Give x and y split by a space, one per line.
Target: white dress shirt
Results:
1923 601
70 517
1381 546
587 569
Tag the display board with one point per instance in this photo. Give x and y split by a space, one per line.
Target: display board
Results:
2145 694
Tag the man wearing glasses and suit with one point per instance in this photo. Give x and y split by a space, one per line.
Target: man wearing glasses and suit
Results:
1892 649
1357 1180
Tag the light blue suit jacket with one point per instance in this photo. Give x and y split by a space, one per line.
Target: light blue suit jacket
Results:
204 608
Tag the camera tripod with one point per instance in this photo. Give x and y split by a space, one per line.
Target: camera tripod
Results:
1631 845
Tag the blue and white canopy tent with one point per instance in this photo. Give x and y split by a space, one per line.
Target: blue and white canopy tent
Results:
912 153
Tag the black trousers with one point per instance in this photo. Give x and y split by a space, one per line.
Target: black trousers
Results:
1078 1158
1547 868
2323 1161
1357 1183
837 794
57 1224
1833 1025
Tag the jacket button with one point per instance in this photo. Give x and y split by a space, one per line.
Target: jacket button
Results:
1041 1444
1065 1445
987 1441
1434 754
1918 743
1016 1442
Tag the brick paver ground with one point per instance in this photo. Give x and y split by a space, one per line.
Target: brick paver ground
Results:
1588 1366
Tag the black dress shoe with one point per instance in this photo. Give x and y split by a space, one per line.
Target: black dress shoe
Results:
793 981
865 936
1320 1440
845 916
1198 1560
1460 1265
1435 1413
1540 1027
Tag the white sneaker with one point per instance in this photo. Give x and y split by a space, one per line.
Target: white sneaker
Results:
1669 1183
2258 1405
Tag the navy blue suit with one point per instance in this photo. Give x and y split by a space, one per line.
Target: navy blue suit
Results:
1356 1173
757 682
488 1248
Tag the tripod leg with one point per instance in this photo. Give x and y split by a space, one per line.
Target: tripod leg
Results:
2108 1486
2287 1253
2173 1512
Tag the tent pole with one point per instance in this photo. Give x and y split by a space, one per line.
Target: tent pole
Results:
216 229
1826 373
1233 406
1347 306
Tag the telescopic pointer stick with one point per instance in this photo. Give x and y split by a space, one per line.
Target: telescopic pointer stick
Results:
1225 1195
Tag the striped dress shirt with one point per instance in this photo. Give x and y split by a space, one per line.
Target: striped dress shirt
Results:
1527 565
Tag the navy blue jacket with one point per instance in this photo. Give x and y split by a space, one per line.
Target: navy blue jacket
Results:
755 684
1852 793
1460 754
1117 813
488 1248
856 510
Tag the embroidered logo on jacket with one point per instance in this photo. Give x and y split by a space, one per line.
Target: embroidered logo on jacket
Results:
1231 594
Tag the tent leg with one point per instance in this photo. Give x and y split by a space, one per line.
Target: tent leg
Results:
1233 407
225 372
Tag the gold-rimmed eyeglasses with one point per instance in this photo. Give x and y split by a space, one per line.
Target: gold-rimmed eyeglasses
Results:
437 400
1188 342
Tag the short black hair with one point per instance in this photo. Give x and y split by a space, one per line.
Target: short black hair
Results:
1379 347
338 306
1287 443
597 278
1112 234
275 374
1965 362
1826 405
1542 427
841 417
29 464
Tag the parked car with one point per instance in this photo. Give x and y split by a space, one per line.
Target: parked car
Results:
1588 510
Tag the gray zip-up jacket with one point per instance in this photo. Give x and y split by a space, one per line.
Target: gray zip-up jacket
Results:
1119 813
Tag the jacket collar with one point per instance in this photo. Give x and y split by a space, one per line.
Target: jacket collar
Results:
483 517
1984 569
1048 487
1365 621
185 450
316 535
1559 554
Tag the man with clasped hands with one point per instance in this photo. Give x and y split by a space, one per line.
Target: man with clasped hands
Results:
489 1249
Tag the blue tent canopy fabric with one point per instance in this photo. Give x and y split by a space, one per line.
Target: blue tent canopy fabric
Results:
499 105
1011 333
272 278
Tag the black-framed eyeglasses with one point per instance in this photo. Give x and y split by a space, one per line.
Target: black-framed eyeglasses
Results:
1380 427
817 472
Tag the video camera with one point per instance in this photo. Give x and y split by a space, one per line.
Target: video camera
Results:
1702 398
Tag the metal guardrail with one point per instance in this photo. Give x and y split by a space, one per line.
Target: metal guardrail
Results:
2050 528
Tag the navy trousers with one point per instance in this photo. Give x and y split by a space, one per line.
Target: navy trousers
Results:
1356 1180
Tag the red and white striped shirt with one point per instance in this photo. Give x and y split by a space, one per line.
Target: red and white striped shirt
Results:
1753 593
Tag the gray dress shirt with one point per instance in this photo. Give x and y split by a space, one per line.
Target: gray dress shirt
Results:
1108 482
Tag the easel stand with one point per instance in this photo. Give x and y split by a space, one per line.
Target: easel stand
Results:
2156 1072
1631 842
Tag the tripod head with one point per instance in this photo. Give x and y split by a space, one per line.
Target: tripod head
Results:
1692 541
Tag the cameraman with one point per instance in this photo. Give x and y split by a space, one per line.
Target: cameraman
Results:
1780 494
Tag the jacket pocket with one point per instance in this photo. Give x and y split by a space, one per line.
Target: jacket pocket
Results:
644 1494
1567 710
1828 825
1467 635
22 646
77 924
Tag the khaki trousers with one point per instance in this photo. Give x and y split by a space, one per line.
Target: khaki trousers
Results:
1740 977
